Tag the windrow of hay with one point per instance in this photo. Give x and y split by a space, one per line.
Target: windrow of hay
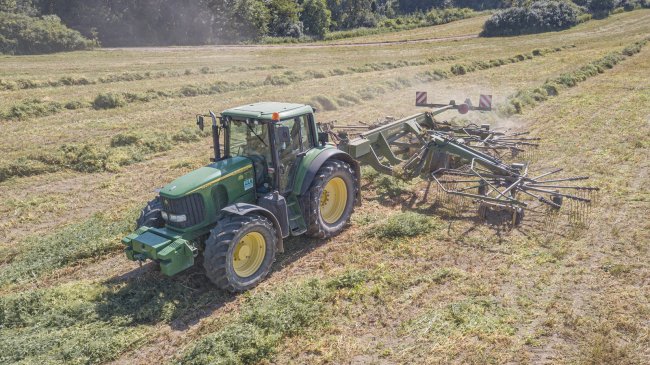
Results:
111 100
21 84
352 98
124 149
39 255
551 87
465 68
92 158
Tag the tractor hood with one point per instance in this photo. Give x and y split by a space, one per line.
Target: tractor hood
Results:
205 177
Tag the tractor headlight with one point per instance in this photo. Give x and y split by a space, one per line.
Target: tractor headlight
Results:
177 218
165 216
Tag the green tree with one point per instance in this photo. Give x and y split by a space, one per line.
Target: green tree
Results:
27 7
316 17
602 7
284 18
238 20
349 14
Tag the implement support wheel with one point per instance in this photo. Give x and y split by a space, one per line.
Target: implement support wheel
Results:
239 252
331 199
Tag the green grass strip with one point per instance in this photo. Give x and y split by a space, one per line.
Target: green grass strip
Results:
267 318
39 255
552 87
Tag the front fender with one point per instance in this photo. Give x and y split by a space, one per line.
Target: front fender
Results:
245 209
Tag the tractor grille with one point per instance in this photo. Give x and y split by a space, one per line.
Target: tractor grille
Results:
191 205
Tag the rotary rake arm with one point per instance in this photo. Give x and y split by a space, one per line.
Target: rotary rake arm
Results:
466 167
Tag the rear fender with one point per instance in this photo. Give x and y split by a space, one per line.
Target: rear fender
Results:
246 209
311 169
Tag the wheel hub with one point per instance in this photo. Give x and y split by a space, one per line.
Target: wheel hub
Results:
333 200
249 254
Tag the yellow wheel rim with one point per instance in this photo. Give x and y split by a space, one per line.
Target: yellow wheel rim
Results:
249 254
333 200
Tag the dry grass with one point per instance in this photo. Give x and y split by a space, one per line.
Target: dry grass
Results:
447 290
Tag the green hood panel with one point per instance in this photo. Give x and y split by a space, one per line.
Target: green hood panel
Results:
205 176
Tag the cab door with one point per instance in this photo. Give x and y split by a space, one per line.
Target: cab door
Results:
290 150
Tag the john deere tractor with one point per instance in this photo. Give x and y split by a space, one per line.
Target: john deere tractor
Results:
273 175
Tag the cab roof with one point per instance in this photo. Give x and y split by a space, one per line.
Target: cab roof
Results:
265 110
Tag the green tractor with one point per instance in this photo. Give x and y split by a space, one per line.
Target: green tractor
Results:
273 175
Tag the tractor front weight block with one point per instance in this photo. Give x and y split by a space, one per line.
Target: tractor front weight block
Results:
173 253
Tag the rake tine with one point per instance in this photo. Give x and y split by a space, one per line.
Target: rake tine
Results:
547 173
575 178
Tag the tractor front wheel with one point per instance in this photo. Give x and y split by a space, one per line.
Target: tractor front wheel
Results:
331 199
239 252
151 215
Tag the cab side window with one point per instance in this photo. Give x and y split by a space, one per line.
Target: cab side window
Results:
307 133
299 140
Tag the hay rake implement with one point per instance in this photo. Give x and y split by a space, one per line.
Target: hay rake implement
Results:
467 163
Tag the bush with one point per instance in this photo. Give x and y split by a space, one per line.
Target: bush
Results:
602 7
444 16
21 34
542 16
108 101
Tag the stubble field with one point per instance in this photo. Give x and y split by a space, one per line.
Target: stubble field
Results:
448 289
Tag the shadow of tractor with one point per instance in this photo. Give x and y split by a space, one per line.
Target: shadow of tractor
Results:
144 296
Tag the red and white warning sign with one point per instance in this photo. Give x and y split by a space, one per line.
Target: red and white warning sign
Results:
485 102
420 98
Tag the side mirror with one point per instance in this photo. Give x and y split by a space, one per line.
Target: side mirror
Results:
200 122
283 136
323 137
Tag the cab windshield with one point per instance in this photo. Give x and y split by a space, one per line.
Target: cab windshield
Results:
248 139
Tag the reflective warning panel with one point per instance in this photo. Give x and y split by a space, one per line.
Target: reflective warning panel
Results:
485 102
420 98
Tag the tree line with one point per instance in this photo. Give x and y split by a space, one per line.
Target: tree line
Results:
192 22
42 26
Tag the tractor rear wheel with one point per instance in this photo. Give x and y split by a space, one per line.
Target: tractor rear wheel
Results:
331 199
239 252
151 215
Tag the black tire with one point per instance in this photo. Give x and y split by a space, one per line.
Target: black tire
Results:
316 225
151 215
219 253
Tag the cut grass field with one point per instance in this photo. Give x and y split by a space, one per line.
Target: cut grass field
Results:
410 281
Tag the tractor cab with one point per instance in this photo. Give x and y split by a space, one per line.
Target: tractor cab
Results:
272 135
